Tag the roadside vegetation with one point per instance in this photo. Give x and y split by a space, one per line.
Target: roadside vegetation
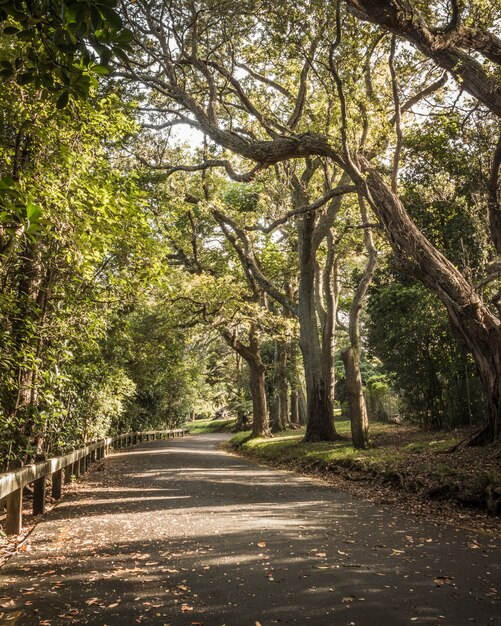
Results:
403 458
200 427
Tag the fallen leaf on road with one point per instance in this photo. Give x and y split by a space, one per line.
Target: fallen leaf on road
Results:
261 544
347 599
6 602
185 608
12 617
443 580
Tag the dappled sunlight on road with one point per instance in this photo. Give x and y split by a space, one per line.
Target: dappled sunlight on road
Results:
178 533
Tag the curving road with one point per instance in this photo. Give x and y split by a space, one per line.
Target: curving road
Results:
180 533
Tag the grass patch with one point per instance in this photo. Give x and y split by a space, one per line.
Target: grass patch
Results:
401 456
199 427
288 448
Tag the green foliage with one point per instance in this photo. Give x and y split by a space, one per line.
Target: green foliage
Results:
407 331
61 46
200 427
75 245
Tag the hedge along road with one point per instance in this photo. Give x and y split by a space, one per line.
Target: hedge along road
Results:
180 533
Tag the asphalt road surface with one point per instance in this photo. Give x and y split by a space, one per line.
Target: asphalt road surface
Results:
180 533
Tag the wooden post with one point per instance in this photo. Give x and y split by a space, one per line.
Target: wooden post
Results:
14 519
39 490
57 480
67 473
81 469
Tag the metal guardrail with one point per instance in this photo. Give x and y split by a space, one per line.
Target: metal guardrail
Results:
73 464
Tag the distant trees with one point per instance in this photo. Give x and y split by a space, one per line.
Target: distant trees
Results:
133 251
271 88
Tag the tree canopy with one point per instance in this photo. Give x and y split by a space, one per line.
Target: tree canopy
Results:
210 206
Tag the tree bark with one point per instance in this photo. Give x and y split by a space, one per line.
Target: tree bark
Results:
294 404
351 356
449 49
252 355
260 426
356 400
472 321
320 424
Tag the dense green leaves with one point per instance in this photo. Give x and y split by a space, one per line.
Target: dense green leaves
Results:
61 46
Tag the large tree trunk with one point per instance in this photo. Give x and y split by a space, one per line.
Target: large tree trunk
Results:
328 317
472 321
282 386
252 355
260 426
320 424
351 356
356 401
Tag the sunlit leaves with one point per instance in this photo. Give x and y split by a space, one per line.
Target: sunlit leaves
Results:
61 46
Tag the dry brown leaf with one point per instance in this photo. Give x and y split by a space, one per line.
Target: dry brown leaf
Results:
347 599
443 580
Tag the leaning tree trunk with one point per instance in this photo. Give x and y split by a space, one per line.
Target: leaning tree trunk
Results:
251 354
477 326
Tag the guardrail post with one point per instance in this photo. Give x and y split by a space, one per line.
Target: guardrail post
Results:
14 518
39 490
81 467
67 473
57 480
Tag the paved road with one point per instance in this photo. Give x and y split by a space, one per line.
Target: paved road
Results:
180 533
